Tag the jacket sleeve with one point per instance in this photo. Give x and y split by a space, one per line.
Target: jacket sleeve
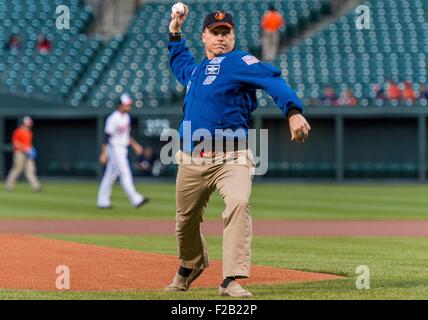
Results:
109 126
182 61
253 74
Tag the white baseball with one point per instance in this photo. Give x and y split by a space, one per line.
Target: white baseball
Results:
178 8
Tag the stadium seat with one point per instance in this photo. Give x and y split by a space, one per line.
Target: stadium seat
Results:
394 48
83 71
44 77
143 53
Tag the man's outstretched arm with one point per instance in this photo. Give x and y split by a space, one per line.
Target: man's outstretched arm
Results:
182 61
251 73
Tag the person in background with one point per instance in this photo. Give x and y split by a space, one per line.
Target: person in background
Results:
271 22
393 91
24 156
44 45
423 93
149 163
347 99
379 92
329 98
14 42
409 93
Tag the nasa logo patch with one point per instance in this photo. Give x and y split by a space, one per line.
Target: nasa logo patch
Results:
250 60
212 69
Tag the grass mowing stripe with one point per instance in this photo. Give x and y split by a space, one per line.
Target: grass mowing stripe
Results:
268 201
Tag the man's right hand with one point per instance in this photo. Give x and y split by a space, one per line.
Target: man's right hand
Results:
178 21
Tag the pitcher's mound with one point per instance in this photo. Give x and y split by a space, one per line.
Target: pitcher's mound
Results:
30 263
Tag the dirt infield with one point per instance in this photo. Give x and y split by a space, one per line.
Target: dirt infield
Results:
260 228
29 262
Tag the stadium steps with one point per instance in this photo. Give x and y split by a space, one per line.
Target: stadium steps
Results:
317 26
116 17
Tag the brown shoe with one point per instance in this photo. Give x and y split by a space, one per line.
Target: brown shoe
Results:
181 283
235 290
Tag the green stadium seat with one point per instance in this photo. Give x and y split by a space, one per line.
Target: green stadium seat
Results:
144 47
69 46
340 40
339 55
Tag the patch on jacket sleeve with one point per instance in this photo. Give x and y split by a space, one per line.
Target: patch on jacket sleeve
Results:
209 80
250 60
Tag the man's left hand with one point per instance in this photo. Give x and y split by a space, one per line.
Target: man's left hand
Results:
299 128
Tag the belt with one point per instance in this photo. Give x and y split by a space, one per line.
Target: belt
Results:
216 146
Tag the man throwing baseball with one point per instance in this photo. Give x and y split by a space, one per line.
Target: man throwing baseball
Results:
221 95
115 154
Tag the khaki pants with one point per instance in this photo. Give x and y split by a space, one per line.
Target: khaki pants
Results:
195 184
21 163
270 44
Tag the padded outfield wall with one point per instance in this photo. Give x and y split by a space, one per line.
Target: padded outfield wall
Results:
346 143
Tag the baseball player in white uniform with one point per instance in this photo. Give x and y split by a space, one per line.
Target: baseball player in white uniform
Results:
115 154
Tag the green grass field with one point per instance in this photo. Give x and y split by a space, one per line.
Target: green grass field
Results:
268 201
397 265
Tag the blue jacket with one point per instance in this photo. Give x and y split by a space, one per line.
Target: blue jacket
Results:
221 93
